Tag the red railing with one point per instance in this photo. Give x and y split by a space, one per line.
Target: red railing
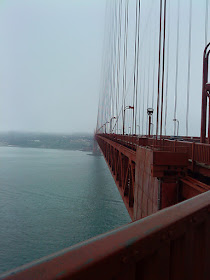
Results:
202 153
172 244
197 152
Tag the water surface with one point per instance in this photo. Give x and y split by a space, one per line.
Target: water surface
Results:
52 199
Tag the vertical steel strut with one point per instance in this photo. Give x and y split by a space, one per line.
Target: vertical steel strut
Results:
205 94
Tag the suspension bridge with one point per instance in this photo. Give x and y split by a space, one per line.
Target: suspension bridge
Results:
153 129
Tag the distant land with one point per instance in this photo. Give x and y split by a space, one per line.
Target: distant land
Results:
82 142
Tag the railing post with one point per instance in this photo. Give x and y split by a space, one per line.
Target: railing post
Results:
175 146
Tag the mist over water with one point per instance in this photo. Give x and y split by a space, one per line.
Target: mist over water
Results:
52 199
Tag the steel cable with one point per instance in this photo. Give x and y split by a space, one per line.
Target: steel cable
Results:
163 67
158 95
168 51
177 67
189 65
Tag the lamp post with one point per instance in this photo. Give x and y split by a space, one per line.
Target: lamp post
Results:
111 123
102 127
126 107
98 130
151 127
176 121
149 113
105 126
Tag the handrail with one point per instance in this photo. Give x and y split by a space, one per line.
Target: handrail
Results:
198 152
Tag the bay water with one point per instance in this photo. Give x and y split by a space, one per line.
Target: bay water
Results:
52 199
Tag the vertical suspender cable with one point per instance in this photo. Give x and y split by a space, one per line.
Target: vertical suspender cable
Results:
126 53
118 59
143 96
102 110
141 90
137 63
148 78
115 53
109 84
123 93
125 62
168 51
177 66
118 64
163 67
206 22
160 33
113 60
153 78
189 64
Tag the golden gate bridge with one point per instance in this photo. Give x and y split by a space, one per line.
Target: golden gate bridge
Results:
155 66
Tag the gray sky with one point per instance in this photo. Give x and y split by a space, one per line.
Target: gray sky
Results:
50 63
50 53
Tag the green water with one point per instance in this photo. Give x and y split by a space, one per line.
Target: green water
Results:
52 199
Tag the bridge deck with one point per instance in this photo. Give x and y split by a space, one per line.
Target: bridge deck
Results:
152 174
198 153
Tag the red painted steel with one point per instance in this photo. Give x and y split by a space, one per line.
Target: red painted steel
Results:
172 244
153 174
191 187
149 177
121 161
146 185
197 152
205 95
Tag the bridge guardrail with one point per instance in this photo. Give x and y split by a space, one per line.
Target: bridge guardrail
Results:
197 152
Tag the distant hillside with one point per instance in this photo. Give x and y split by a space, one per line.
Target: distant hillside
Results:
47 141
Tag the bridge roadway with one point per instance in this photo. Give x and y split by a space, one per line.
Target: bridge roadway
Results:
152 174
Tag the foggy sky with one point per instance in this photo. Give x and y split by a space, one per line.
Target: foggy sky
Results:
51 58
50 53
